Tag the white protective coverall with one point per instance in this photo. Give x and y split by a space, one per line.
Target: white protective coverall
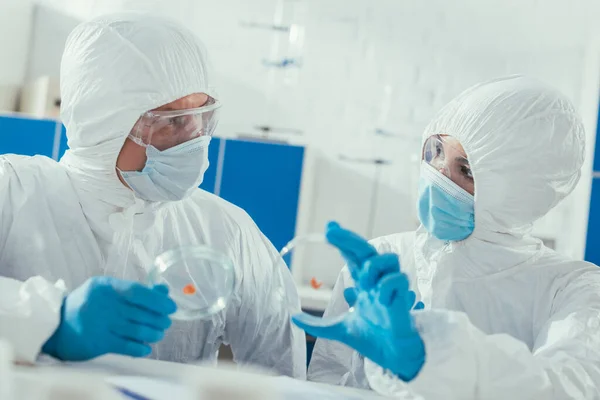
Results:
73 220
505 317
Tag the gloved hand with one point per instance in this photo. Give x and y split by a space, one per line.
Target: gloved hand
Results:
109 315
379 326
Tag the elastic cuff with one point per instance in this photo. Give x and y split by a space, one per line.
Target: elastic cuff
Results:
50 347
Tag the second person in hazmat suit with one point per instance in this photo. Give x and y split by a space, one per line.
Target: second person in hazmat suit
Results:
139 110
504 316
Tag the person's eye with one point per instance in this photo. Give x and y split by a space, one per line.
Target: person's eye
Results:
439 150
466 171
178 121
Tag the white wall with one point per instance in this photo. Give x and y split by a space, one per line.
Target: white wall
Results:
50 28
383 64
15 26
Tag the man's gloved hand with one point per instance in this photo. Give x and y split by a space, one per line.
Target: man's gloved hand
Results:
108 315
379 325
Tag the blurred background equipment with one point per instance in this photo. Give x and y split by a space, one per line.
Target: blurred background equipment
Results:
41 98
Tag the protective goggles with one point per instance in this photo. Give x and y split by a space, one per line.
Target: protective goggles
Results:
166 129
446 158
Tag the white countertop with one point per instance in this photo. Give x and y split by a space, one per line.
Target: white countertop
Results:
117 367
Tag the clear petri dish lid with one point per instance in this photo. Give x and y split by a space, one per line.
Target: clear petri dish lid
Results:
315 265
200 280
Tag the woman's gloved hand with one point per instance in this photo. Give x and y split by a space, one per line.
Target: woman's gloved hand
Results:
109 315
379 326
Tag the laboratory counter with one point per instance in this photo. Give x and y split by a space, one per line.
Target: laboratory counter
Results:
115 377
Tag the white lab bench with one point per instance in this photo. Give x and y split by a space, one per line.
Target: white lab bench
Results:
112 366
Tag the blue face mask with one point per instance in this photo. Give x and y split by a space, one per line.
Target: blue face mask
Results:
172 174
445 209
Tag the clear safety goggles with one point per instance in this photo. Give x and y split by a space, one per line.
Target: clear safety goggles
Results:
446 158
166 129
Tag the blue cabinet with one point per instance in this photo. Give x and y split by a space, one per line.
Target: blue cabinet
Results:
210 177
62 144
264 179
592 243
28 136
592 248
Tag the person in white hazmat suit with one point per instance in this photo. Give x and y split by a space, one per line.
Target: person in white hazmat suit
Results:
504 316
125 192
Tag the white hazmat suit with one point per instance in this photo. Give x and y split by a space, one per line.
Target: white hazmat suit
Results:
74 219
505 317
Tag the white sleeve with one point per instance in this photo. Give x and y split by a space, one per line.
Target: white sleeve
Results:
333 362
464 363
261 332
30 310
29 314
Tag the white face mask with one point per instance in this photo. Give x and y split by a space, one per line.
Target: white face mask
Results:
172 174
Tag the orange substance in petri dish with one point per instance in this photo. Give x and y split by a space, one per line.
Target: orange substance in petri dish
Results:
315 284
189 289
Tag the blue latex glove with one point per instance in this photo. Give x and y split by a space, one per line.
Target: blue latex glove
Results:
380 326
109 315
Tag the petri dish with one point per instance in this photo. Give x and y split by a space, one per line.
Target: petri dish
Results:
200 280
316 265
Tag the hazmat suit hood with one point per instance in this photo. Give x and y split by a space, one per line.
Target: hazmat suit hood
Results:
525 144
115 68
